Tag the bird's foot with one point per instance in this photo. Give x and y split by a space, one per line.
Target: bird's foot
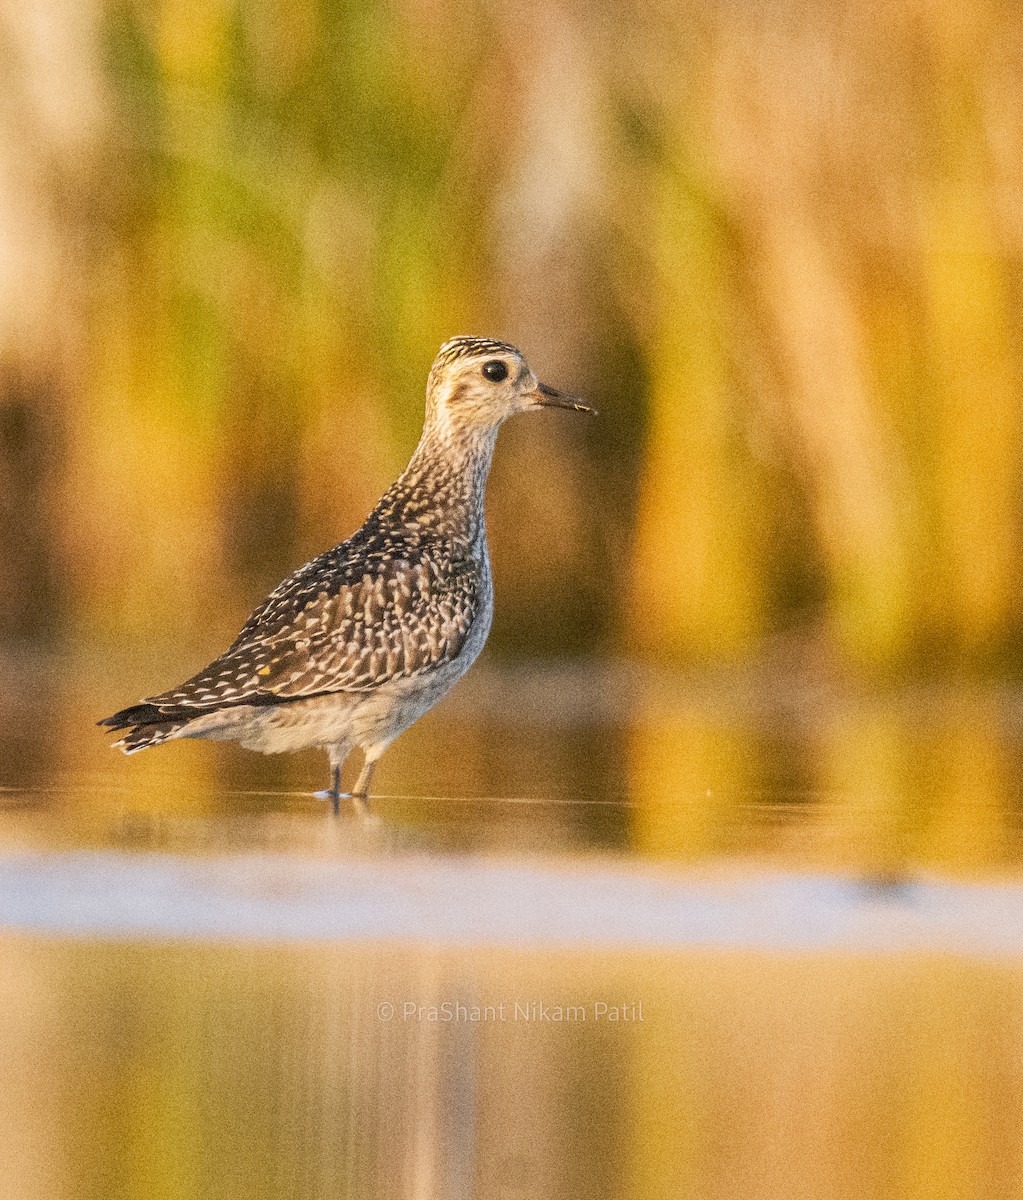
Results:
334 793
360 803
335 798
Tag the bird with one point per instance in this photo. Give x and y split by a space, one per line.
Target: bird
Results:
356 645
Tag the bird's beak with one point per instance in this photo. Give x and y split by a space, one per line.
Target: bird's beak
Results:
548 397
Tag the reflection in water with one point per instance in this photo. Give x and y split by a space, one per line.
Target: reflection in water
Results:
285 1073
572 761
211 1069
197 1071
880 784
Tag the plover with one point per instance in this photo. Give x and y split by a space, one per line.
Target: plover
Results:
359 643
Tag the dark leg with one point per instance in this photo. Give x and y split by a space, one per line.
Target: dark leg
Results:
335 791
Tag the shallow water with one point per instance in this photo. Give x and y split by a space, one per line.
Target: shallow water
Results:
612 934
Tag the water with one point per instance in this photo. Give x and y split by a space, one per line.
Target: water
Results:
613 935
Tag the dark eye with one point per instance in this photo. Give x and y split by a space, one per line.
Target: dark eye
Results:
495 370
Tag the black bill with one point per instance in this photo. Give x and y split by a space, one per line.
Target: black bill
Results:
550 397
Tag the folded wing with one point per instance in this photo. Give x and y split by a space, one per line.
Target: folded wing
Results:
326 630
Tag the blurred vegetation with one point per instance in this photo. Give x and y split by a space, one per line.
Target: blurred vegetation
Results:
780 247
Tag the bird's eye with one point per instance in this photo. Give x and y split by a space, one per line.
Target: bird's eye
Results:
495 370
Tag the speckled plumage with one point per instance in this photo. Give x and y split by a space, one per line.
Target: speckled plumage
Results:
357 644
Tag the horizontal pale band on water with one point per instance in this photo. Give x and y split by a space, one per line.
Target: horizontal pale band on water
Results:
445 900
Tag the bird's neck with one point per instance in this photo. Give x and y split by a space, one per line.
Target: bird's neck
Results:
441 490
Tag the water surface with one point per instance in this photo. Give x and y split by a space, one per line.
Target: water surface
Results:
612 934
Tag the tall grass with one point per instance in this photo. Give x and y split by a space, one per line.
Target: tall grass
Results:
780 247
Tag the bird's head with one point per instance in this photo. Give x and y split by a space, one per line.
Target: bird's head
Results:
476 383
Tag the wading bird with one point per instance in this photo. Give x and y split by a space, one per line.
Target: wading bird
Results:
359 643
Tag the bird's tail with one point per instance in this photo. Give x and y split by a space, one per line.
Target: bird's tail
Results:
148 735
146 726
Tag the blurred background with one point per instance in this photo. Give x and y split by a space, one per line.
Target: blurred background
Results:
779 246
766 609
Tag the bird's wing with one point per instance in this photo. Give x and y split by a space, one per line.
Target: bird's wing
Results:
325 631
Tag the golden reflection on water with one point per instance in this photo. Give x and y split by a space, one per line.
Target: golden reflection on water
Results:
879 784
213 1070
614 761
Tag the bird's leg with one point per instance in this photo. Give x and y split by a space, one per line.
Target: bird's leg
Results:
371 756
337 756
361 789
360 793
335 789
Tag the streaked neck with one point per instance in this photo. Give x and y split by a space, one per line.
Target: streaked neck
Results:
442 487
